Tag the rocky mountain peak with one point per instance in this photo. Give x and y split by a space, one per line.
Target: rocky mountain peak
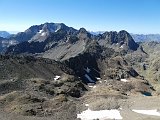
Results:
53 27
40 32
124 38
83 34
4 34
110 37
82 30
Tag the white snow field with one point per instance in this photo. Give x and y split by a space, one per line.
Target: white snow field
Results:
100 115
148 112
124 80
57 77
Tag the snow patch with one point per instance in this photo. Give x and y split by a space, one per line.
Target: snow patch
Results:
98 78
121 46
92 86
43 34
101 115
87 105
40 31
87 76
124 80
57 30
87 70
148 112
57 77
100 81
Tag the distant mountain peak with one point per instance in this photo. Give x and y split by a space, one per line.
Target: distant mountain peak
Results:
126 38
121 39
40 32
4 34
82 30
83 34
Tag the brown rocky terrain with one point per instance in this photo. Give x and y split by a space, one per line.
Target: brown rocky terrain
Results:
37 87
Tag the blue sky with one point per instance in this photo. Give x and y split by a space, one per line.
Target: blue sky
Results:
135 16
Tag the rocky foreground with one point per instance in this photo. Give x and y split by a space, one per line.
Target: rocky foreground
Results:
98 97
37 88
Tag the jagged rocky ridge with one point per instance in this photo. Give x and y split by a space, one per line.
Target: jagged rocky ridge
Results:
51 37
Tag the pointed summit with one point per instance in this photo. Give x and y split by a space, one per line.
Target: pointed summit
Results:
82 30
122 39
125 38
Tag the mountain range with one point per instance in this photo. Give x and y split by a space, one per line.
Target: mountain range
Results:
68 45
55 72
50 34
146 38
41 32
